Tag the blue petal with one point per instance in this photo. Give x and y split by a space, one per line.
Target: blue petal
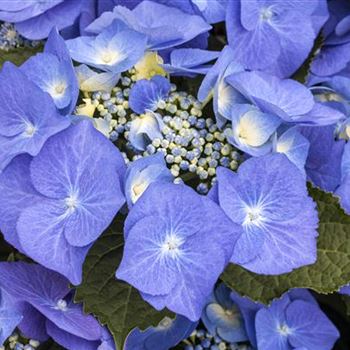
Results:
268 321
61 16
295 146
69 341
142 172
175 287
146 94
265 196
62 174
311 327
28 115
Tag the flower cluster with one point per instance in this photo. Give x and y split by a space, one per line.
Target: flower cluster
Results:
102 123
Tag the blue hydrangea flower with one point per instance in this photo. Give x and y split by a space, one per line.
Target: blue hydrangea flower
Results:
141 173
163 337
343 190
334 55
53 72
176 247
224 95
269 199
144 129
146 94
71 200
35 19
321 169
164 26
294 322
190 62
90 81
213 11
290 100
48 309
10 317
28 116
116 49
222 317
295 146
345 290
252 130
264 33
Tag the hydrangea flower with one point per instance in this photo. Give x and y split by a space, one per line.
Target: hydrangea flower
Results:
71 201
343 190
144 129
116 49
145 95
28 116
214 83
190 62
89 80
45 300
142 172
10 317
35 19
294 145
176 247
53 72
293 323
286 98
269 199
222 317
213 11
266 34
163 337
321 169
164 26
333 57
252 130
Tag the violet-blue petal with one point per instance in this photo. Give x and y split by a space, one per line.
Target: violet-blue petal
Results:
28 115
178 229
54 77
115 49
142 172
214 11
88 197
164 26
33 323
263 198
16 193
265 90
322 170
146 94
269 30
61 16
166 335
270 324
91 81
310 327
68 340
10 316
144 129
251 129
295 146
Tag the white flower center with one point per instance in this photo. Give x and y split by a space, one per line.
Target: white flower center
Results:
72 202
165 323
30 130
266 13
253 216
110 57
284 330
61 305
171 246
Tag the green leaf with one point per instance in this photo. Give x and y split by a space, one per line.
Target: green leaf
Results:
327 275
18 56
114 302
302 73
